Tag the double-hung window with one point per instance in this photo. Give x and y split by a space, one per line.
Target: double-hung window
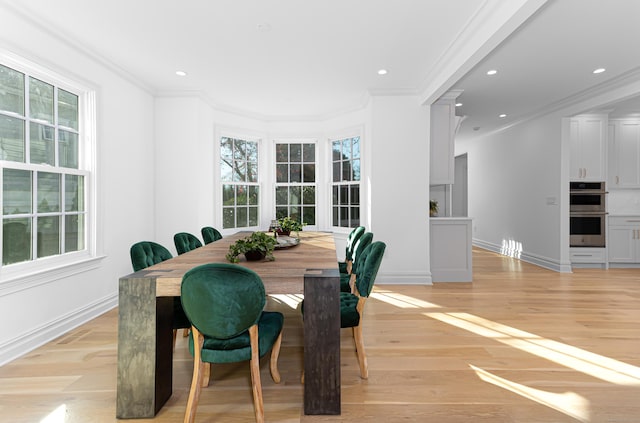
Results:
44 182
240 188
346 182
296 181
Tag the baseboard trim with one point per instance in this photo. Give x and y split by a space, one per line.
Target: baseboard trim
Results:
27 342
546 262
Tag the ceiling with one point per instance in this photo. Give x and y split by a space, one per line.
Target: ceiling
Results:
280 59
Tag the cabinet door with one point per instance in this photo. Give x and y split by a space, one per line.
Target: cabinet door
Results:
627 145
588 136
622 244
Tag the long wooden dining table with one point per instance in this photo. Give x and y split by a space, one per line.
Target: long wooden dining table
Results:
145 339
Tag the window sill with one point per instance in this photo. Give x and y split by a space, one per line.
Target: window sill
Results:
29 275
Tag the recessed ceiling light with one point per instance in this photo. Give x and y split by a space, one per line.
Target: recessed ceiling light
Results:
458 104
492 72
181 73
503 115
382 72
599 70
264 27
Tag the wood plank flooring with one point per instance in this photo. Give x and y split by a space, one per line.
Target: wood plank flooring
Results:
519 344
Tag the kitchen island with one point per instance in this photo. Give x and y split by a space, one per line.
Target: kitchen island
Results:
450 246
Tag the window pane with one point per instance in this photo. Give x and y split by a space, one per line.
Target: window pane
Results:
69 151
309 172
11 90
242 217
253 216
346 171
252 151
228 195
40 100
344 217
67 109
228 217
239 150
336 172
355 217
242 196
73 193
282 153
48 193
74 233
226 148
253 195
282 173
355 147
337 150
335 220
346 149
309 215
295 196
295 213
16 196
309 153
239 171
42 144
48 236
344 195
335 197
355 195
281 212
252 172
296 153
282 196
295 172
16 240
12 139
356 170
226 172
308 195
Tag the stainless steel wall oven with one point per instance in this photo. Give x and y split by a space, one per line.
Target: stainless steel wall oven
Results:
587 214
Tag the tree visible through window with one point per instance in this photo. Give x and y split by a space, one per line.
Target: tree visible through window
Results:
239 176
43 187
346 182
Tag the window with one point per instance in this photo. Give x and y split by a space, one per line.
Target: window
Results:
346 182
43 182
239 176
296 181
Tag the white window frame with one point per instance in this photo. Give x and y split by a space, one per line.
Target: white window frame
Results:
218 183
318 176
64 264
336 137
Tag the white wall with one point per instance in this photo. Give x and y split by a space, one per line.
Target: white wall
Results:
513 175
41 307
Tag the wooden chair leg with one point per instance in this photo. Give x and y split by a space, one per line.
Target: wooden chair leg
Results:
185 332
194 392
362 356
273 363
206 375
174 339
256 385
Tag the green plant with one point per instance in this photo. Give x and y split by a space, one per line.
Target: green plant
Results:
433 208
288 224
257 241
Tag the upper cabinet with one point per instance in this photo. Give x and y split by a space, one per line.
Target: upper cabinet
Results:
624 153
588 136
443 130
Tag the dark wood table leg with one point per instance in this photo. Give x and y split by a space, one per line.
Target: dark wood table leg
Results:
322 343
145 352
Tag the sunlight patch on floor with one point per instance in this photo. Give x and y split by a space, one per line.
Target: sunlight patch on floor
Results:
291 300
401 301
56 416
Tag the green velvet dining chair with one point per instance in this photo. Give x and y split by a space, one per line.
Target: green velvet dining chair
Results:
352 304
185 242
147 253
347 278
225 304
352 238
210 235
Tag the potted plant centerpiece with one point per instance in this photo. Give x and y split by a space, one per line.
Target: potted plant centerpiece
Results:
433 208
288 225
256 246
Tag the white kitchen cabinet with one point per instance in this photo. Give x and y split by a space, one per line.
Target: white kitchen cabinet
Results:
624 153
588 257
624 239
588 136
450 245
443 128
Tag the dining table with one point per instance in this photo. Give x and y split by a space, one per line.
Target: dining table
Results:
305 263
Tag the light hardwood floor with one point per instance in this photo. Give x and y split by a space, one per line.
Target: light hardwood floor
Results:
519 344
